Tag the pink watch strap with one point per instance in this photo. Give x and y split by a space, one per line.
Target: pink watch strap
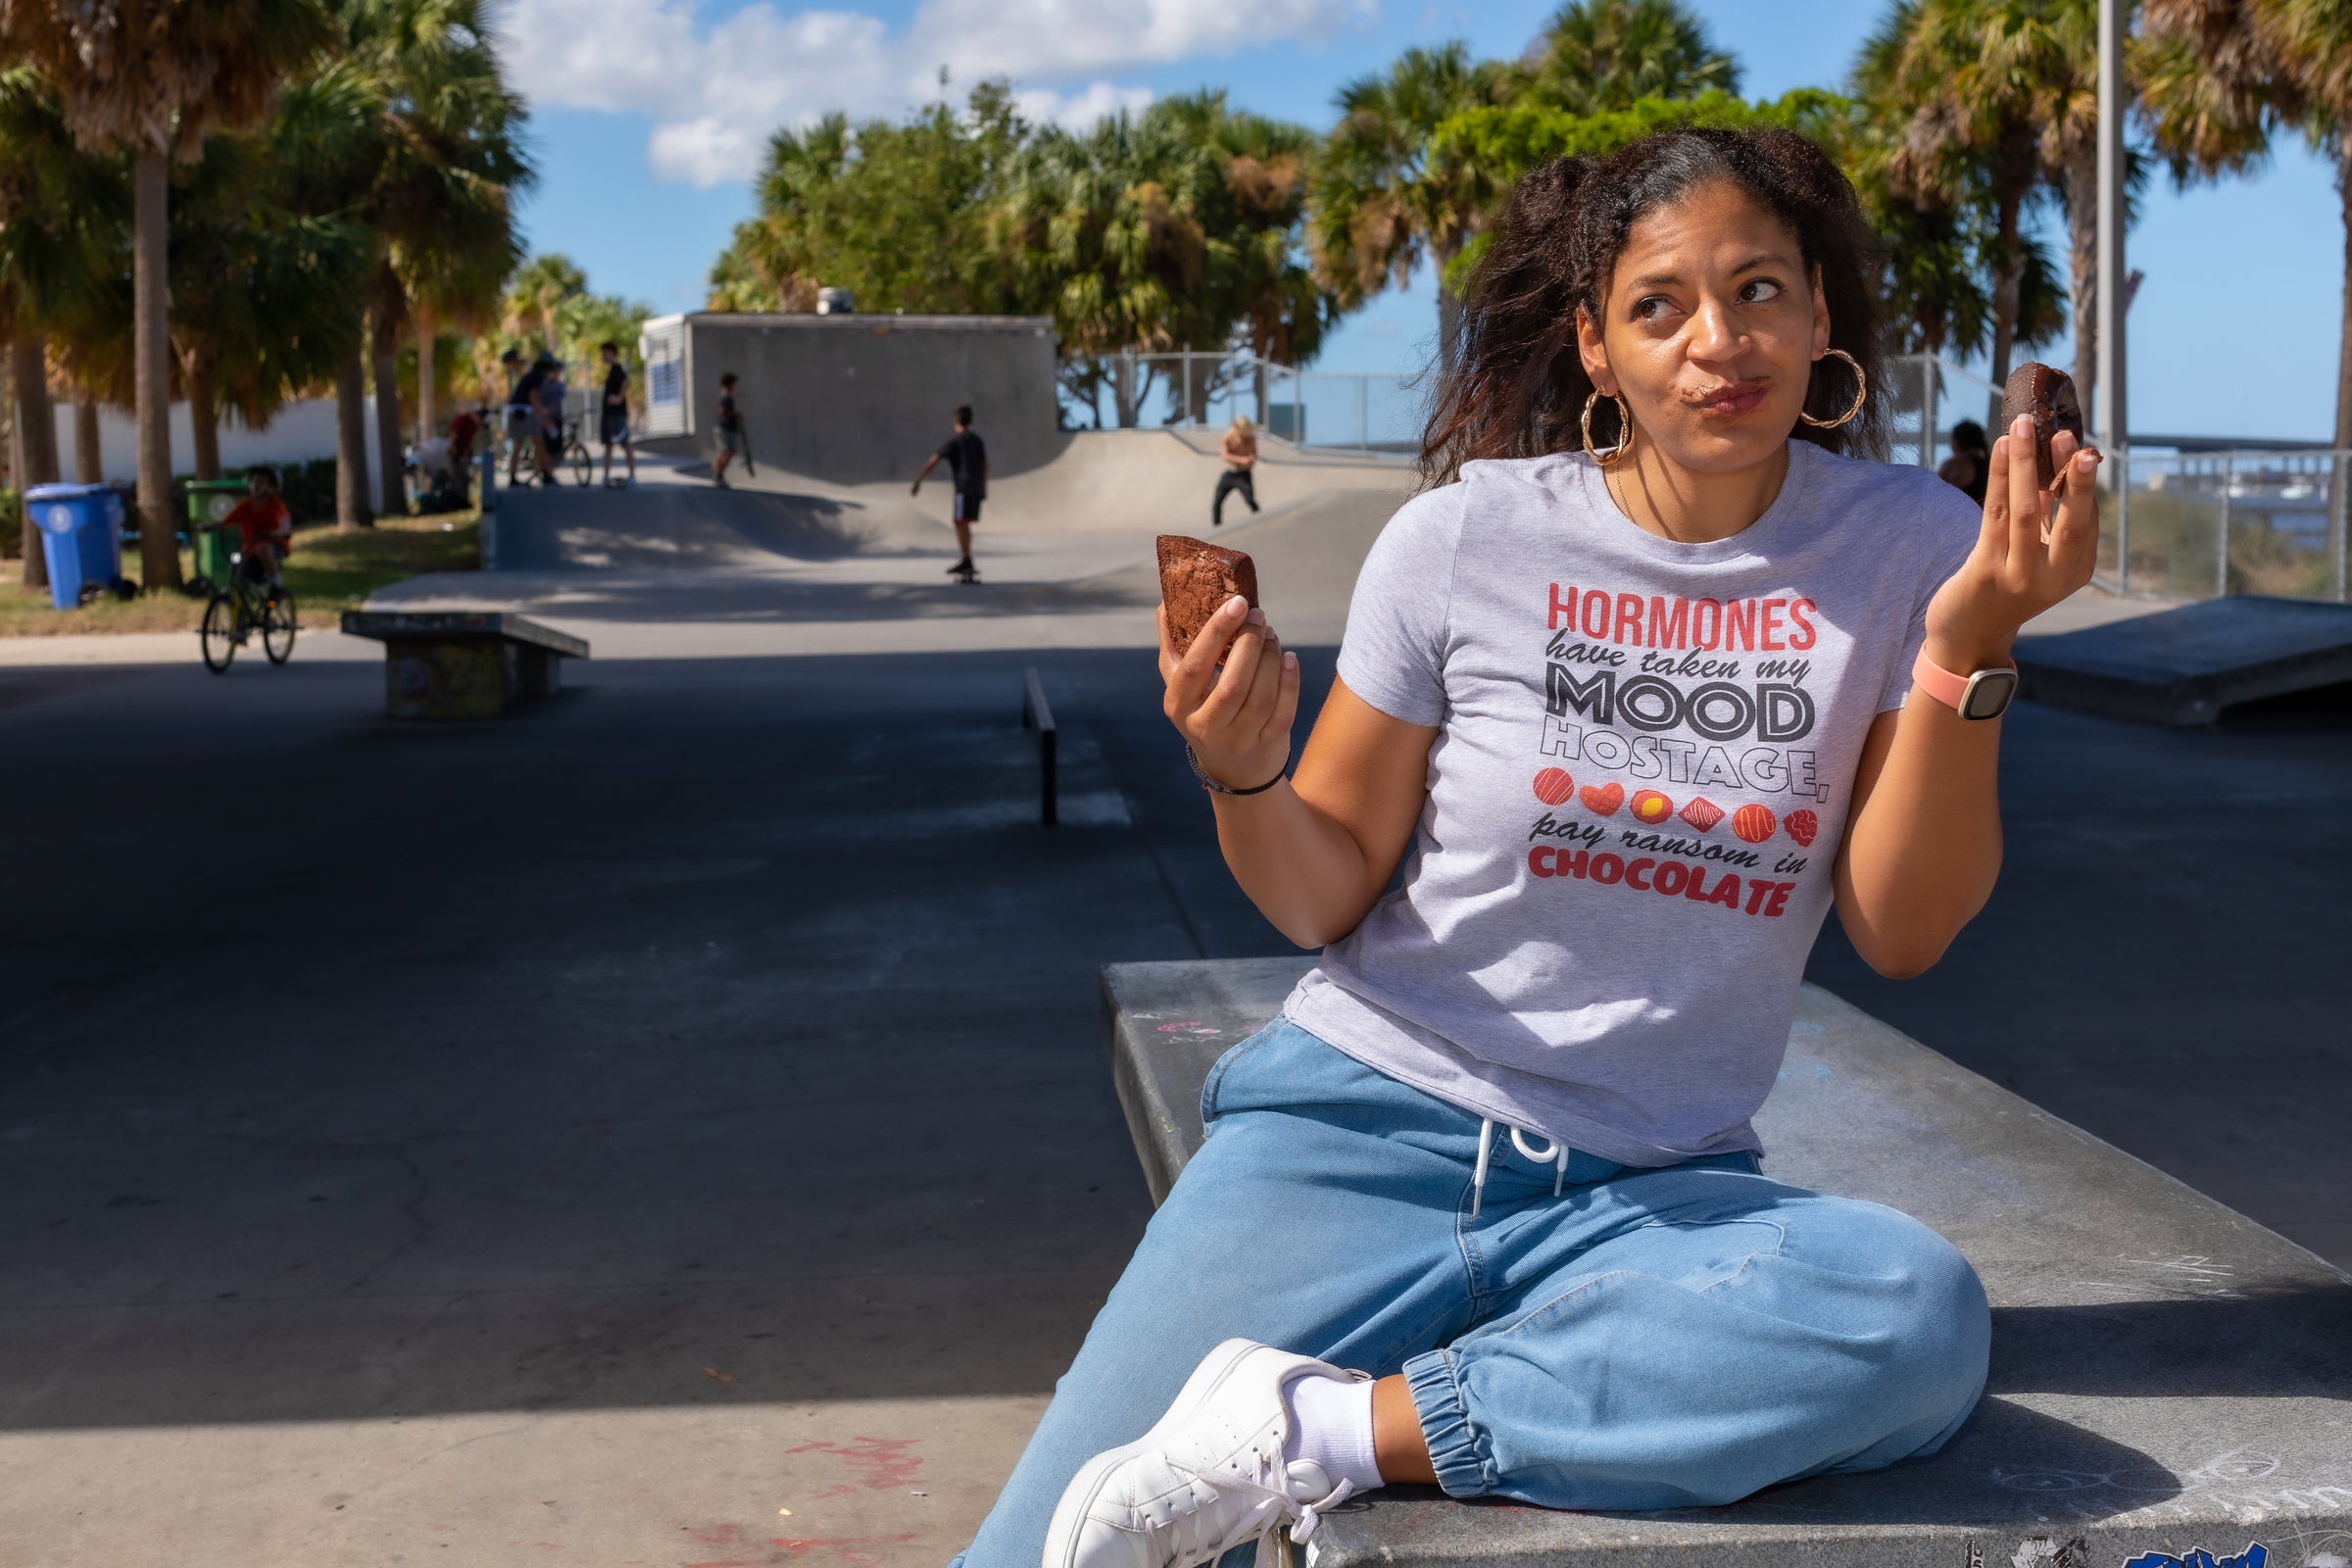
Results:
1941 684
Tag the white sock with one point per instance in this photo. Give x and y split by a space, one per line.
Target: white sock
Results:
1331 1424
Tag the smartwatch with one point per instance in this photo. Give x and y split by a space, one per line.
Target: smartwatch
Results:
1984 695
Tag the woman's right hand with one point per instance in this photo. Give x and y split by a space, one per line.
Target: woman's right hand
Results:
1232 695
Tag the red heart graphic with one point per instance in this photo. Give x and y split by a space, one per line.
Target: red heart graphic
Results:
1802 827
1603 799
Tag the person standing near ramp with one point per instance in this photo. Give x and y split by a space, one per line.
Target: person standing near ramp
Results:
612 423
1238 446
966 458
731 431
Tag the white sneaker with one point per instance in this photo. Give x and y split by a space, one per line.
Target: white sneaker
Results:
1208 1478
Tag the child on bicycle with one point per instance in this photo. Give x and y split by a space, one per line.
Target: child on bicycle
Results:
264 527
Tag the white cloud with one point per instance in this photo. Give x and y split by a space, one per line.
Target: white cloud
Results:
717 89
1079 110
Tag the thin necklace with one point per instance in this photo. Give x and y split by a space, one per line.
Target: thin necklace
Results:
1608 479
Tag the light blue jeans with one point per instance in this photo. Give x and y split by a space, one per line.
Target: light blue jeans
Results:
1648 1338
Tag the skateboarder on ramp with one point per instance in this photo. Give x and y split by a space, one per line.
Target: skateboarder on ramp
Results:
966 458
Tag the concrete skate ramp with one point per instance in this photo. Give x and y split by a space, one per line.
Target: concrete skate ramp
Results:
1152 481
782 563
2189 665
682 529
1161 482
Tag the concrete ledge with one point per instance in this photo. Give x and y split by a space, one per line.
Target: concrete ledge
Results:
461 626
463 663
2185 666
2168 1376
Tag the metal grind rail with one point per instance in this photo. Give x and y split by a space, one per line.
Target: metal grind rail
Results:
1037 717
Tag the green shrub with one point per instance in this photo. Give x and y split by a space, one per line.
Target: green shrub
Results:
12 524
306 488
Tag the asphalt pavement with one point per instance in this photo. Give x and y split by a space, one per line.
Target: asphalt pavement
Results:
672 1125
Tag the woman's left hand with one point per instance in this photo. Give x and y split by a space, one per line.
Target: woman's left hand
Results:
2036 548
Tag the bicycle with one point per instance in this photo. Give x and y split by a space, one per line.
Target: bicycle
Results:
249 603
574 449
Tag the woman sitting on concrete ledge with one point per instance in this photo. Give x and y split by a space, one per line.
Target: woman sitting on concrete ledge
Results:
1485 1208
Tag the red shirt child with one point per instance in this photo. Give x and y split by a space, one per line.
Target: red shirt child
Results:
261 519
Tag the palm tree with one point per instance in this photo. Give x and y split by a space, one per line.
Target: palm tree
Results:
156 80
59 212
771 261
1960 129
1242 178
2219 76
1599 55
1106 230
261 290
439 165
1373 214
537 292
742 278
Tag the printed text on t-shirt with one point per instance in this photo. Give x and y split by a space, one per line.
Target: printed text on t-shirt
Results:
1758 625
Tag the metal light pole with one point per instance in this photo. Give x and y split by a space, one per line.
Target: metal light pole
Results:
2113 428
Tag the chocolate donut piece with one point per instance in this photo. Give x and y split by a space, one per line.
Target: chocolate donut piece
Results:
1195 577
2048 396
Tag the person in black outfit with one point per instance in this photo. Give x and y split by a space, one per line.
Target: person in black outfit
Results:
731 443
613 419
1971 461
527 408
966 458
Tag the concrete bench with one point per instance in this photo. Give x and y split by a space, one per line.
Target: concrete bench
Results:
463 663
2189 665
2168 1376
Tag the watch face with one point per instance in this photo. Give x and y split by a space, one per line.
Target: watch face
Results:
1989 693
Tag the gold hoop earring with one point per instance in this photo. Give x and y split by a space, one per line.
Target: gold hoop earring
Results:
1624 429
1861 394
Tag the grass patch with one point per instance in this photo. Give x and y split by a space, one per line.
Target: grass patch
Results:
329 572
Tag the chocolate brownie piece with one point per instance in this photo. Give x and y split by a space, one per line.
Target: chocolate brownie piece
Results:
2049 395
1195 578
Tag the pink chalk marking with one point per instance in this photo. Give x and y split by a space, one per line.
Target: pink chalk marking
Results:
879 1464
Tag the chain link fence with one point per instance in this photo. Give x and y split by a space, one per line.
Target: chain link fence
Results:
1346 409
2208 524
2173 524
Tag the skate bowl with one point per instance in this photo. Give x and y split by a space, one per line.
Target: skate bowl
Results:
779 562
1154 481
2168 1380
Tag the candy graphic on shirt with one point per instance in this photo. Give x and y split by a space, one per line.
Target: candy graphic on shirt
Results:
1651 806
1802 826
1702 813
1554 785
1604 801
1753 824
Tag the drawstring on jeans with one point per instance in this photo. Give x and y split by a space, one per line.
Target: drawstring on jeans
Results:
1554 1153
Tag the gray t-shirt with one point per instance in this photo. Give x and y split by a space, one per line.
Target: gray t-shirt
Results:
1637 791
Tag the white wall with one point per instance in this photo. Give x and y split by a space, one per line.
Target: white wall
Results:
301 431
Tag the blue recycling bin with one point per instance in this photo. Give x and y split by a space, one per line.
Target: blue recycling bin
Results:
81 536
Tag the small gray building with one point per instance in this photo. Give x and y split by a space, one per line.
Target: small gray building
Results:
854 399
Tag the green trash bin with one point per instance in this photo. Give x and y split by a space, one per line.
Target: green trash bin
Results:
211 501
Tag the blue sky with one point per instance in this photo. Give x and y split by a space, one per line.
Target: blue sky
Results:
647 113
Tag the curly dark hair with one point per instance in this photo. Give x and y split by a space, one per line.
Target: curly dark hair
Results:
1517 385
